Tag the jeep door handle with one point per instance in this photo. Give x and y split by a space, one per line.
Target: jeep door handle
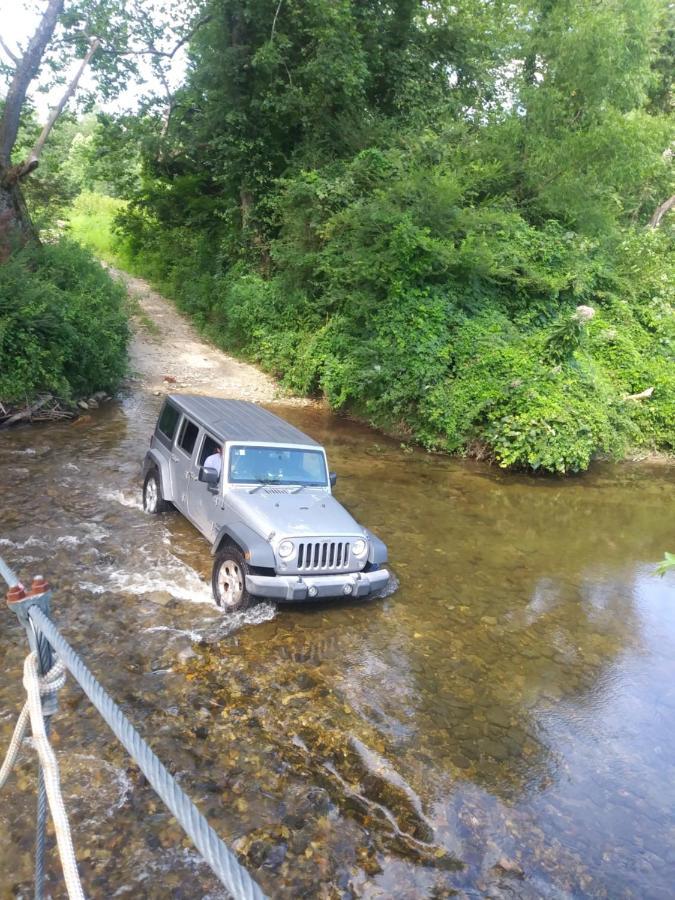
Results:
174 458
190 476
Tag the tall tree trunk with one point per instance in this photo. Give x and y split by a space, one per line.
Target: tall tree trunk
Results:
16 227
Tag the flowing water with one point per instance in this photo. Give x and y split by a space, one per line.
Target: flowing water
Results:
502 725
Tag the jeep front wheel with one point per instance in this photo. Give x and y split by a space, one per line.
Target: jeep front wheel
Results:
228 580
153 501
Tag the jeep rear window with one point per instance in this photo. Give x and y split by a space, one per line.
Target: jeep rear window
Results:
168 421
276 465
188 437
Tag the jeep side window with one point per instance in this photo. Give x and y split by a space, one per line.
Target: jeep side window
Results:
209 447
188 437
168 421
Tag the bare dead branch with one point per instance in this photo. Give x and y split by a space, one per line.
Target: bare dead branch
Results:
26 70
274 21
12 56
660 212
34 156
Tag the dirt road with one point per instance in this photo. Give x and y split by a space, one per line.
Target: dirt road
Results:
168 354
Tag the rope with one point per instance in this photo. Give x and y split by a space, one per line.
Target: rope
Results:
14 746
37 687
220 858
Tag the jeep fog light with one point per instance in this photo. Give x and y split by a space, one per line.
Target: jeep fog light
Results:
312 591
286 549
347 589
359 548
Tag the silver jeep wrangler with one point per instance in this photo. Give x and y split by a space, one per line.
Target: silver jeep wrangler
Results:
264 502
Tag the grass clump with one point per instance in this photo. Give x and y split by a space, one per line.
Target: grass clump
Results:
91 222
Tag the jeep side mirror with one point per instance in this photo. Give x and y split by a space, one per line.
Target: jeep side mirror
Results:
333 478
208 476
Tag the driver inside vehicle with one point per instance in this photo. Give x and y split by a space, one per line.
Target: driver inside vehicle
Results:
215 460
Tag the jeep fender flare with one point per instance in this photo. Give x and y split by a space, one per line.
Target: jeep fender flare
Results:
377 553
154 460
257 550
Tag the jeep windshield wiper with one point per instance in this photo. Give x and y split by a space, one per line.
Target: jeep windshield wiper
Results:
305 484
263 482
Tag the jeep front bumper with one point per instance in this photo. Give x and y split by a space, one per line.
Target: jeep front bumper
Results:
314 587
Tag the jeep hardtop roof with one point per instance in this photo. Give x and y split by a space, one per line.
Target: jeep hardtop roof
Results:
239 420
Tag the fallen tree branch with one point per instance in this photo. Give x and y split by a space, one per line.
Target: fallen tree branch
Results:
660 212
643 395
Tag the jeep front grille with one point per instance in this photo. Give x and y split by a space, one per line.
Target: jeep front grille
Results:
323 556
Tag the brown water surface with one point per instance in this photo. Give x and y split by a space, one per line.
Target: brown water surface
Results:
503 725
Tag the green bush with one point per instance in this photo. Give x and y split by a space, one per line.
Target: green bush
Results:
394 293
62 324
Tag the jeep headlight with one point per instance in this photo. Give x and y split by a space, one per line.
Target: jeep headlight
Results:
359 548
286 549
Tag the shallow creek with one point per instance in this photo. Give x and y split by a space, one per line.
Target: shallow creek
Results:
503 725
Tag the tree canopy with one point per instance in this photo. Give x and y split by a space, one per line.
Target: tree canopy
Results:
407 205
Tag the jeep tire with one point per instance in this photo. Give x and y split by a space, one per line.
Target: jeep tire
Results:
228 580
153 502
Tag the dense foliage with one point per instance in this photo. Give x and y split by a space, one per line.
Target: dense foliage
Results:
62 325
433 214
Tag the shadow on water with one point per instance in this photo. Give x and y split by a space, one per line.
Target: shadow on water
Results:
502 725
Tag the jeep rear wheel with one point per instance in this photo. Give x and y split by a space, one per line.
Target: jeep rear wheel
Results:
153 502
228 580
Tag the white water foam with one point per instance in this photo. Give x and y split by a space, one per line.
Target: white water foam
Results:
111 794
151 865
220 628
124 498
390 588
148 572
194 636
19 545
29 451
94 532
169 575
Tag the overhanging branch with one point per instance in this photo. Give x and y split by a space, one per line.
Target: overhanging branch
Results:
34 156
151 50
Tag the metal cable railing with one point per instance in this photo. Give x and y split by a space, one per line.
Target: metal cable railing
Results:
32 611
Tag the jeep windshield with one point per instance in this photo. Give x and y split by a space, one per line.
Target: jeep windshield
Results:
276 465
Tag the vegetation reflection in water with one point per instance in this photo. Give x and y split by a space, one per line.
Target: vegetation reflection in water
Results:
503 724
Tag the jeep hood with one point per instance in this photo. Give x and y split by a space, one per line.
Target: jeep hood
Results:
302 514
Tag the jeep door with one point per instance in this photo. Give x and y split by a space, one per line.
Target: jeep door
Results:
182 469
203 498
